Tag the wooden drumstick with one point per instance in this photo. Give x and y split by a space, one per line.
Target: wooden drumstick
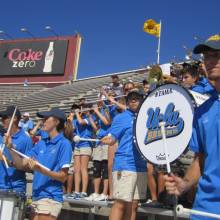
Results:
8 132
25 156
10 126
163 132
5 161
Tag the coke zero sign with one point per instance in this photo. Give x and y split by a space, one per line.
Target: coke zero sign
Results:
33 57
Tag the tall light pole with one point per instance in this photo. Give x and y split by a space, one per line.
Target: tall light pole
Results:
49 28
6 34
27 31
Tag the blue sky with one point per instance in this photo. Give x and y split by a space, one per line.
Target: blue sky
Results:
113 39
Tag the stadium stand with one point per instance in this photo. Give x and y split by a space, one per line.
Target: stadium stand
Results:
32 99
11 93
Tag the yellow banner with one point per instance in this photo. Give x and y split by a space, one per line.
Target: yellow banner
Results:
152 27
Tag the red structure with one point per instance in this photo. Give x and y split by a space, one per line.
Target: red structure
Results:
52 60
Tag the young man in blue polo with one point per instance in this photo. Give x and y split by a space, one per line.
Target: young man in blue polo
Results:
129 168
12 179
193 81
205 142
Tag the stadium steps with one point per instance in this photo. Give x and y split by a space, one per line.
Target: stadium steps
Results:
62 96
11 93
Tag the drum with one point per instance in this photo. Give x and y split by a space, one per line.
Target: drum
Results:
173 105
11 206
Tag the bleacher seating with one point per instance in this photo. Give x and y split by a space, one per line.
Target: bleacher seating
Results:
39 98
11 93
36 98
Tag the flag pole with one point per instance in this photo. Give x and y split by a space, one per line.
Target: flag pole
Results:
158 48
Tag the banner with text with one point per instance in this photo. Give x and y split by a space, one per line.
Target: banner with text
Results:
33 58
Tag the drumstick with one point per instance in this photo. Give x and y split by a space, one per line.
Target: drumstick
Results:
10 126
25 156
163 132
162 127
8 131
78 139
5 161
181 210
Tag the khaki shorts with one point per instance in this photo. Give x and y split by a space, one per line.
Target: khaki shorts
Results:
100 152
46 207
83 151
128 186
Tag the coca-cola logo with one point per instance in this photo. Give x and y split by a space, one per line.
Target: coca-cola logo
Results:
22 59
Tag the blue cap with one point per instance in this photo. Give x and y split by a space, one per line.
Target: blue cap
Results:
9 112
54 112
212 43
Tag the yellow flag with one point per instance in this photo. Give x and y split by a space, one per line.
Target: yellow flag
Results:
152 27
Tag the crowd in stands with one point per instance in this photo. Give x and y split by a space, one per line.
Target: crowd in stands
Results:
93 120
109 121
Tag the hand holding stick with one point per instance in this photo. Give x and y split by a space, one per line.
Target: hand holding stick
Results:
25 156
163 132
8 132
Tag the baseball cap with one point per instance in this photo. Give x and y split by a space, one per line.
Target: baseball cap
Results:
54 112
26 114
9 112
212 43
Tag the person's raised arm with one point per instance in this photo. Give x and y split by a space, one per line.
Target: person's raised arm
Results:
103 118
35 129
79 118
92 122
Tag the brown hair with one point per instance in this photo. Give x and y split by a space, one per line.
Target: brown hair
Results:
67 128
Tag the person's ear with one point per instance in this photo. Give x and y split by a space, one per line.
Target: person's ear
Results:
57 122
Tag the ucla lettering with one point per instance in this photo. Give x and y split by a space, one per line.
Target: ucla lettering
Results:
174 124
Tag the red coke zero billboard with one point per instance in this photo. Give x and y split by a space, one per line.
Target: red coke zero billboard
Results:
33 58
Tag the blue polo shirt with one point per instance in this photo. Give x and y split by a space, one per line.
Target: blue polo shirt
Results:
203 86
55 154
84 131
26 125
127 156
11 178
206 139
